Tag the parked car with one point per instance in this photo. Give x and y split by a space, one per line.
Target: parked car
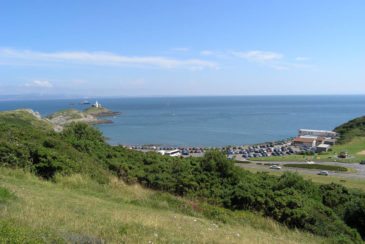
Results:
323 172
362 162
185 152
343 155
275 167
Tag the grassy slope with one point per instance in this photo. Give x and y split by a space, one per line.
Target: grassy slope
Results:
78 209
23 118
351 129
69 113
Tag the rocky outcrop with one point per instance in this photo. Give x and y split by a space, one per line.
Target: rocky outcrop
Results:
58 120
34 113
100 112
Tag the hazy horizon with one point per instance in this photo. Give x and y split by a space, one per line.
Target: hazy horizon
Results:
32 97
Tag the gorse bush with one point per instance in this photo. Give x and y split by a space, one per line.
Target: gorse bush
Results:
26 143
288 199
328 210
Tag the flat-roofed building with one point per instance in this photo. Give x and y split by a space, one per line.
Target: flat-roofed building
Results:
305 141
322 148
321 133
309 141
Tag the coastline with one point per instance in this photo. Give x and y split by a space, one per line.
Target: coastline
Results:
210 121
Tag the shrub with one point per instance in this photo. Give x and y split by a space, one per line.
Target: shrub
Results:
317 166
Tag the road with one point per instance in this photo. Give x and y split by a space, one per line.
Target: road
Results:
358 170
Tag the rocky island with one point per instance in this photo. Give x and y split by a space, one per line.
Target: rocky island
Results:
92 115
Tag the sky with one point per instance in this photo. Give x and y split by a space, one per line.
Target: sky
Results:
181 48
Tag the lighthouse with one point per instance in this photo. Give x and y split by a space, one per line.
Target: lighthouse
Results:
97 105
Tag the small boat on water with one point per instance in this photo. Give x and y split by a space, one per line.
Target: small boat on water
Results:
85 102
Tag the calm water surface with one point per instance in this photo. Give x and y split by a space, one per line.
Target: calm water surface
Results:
212 121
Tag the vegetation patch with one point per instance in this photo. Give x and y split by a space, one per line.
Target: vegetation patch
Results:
242 162
15 233
69 113
5 195
317 166
353 128
119 213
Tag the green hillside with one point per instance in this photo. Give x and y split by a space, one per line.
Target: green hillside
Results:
80 193
75 209
353 128
69 113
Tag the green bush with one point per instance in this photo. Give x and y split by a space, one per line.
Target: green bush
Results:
317 166
14 233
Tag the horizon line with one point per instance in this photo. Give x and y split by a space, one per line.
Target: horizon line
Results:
21 97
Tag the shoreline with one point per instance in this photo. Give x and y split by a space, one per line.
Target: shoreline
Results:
235 146
240 153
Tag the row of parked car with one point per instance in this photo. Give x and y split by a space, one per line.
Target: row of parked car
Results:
184 150
263 151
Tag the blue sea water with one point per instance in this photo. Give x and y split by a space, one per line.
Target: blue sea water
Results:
212 121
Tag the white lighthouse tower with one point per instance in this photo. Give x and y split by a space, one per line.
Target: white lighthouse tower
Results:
97 105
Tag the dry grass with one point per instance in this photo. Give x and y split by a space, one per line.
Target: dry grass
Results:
76 209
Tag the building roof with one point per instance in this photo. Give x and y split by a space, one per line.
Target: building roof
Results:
305 139
322 131
324 146
318 131
308 137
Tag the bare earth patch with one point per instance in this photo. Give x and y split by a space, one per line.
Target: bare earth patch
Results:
361 153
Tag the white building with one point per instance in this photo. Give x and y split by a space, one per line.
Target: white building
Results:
317 133
172 153
97 105
323 148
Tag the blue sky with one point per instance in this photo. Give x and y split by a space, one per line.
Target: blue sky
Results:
186 47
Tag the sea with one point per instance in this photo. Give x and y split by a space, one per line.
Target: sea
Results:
210 121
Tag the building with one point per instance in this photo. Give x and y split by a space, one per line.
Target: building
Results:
329 141
305 141
97 105
172 153
322 148
323 139
318 133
